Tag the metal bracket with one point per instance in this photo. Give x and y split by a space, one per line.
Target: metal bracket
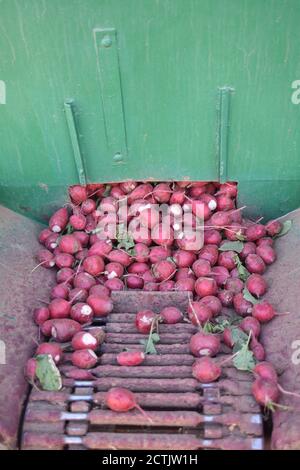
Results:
111 92
68 105
223 108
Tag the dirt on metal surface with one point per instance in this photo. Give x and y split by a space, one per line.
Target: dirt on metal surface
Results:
19 291
281 337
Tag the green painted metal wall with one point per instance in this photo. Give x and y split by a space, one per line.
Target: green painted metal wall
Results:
143 77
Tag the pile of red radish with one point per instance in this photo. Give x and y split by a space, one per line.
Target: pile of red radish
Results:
227 271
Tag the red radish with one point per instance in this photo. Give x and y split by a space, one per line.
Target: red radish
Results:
227 337
167 286
204 344
267 253
197 190
212 237
248 249
88 206
53 349
184 259
189 240
128 186
80 295
117 193
108 205
30 369
265 370
201 267
255 264
130 358
84 340
257 349
228 189
82 313
140 192
99 291
199 313
141 252
263 312
235 273
79 374
44 234
78 221
98 333
225 203
186 284
95 189
234 285
64 329
138 268
69 244
113 270
213 303
64 260
40 315
59 220
265 392
101 248
114 284
226 298
205 286
250 324
265 241
77 193
144 320
52 241
84 358
64 275
46 327
234 232
158 253
220 219
93 265
90 224
227 259
162 234
60 291
121 257
178 197
200 209
242 306
255 231
219 274
59 308
210 200
206 370
46 258
84 281
171 315
101 306
210 253
147 276
162 193
256 285
163 270
134 282
273 227
122 400
183 273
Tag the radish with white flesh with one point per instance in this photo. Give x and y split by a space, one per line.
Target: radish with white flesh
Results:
82 313
84 358
199 313
206 370
130 358
59 220
53 349
171 315
52 241
84 340
144 320
204 344
113 270
101 306
64 329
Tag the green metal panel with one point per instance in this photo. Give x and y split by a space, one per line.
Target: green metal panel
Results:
154 96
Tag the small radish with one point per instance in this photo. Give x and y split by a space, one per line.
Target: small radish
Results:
101 248
213 303
201 268
255 264
130 358
212 237
158 253
248 249
205 286
162 193
265 392
64 275
121 257
44 234
199 313
220 219
273 227
226 298
84 340
77 194
114 270
40 315
267 253
128 186
59 220
163 270
171 315
64 260
79 374
101 306
99 290
80 295
227 259
53 349
82 313
225 203
144 320
250 324
184 273
84 281
241 305
60 291
263 312
206 370
219 274
30 369
78 221
162 234
46 258
234 232
256 285
93 265
255 231
59 308
210 253
114 284
234 285
141 253
184 259
122 400
186 285
257 349
138 268
178 197
228 189
227 337
265 370
84 358
88 206
204 344
52 241
150 286
134 281
64 329
69 244
46 327
140 192
82 237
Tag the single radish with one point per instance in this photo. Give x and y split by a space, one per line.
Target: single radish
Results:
65 275
204 344
227 337
128 186
205 286
82 237
255 231
267 253
84 340
213 303
210 253
99 291
225 203
60 291
121 257
199 313
212 237
159 253
273 227
59 308
114 270
77 194
250 324
186 284
255 264
169 285
227 259
82 313
98 333
226 298
52 241
93 265
184 259
122 400
263 312
64 260
100 247
144 320
257 349
201 267
59 220
134 281
162 234
130 358
241 305
30 369
162 193
141 253
80 295
84 281
163 270
78 221
88 206
256 285
84 358
171 315
234 285
114 284
101 306
53 349
220 274
45 258
46 327
220 219
265 392
206 370
265 370
249 248
64 329
69 244
40 315
138 268
44 234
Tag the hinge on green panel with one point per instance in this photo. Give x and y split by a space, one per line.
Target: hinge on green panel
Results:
111 92
223 108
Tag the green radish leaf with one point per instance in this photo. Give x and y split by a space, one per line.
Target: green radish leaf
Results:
240 236
155 337
239 338
208 327
286 227
107 190
124 238
244 360
47 373
243 272
249 297
232 246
